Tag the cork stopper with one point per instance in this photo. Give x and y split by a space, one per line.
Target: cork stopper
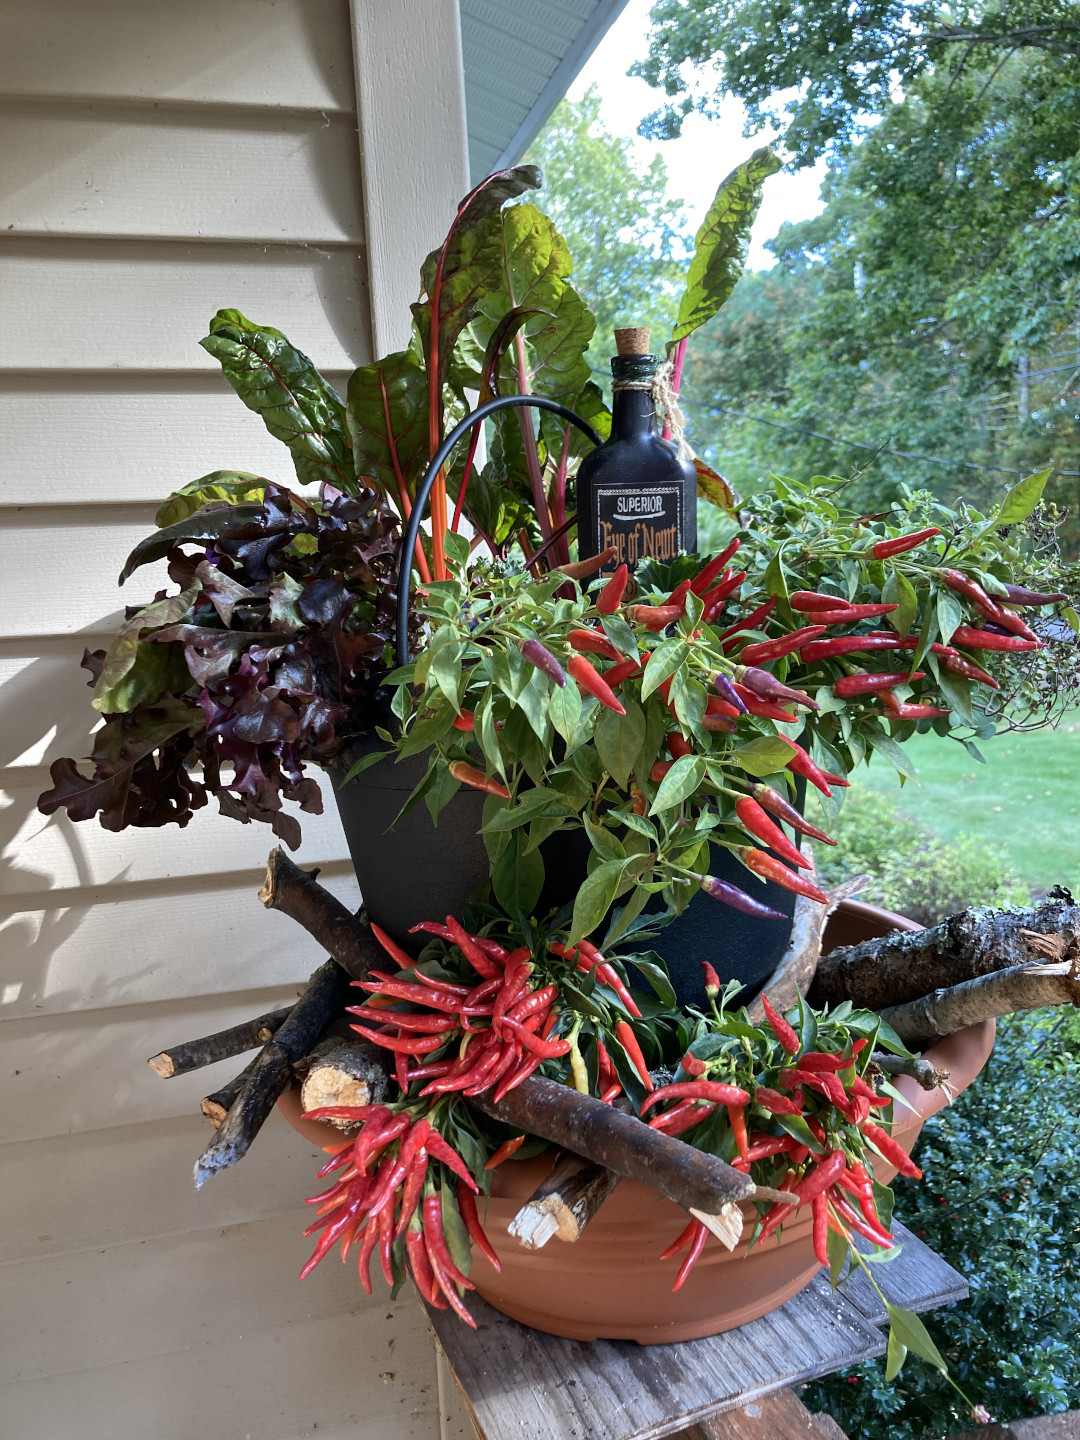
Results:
634 341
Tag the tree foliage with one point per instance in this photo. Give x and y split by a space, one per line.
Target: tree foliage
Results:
629 243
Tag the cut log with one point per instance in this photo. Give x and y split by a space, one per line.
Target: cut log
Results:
298 894
564 1204
194 1054
585 1126
343 1072
910 963
216 1106
318 1007
1022 987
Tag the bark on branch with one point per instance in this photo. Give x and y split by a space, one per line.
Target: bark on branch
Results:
194 1054
1022 987
298 894
564 1204
905 965
343 1072
920 1070
319 1005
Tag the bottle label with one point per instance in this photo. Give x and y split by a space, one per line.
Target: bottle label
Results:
639 522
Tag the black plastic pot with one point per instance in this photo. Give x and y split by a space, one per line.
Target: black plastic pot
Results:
412 870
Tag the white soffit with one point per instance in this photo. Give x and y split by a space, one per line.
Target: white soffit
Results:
521 57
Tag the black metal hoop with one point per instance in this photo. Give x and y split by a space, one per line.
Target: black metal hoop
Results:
438 460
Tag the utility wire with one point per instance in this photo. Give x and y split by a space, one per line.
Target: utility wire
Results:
857 444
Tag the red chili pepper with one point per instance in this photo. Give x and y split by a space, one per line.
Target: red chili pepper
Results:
659 770
391 947
593 642
605 1071
692 1065
410 1194
775 1103
853 613
470 775
871 1229
809 600
821 1177
713 1090
987 640
784 1033
865 683
964 585
405 990
465 721
900 544
414 1045
593 683
820 1208
681 1241
1015 624
849 645
759 825
958 665
420 1264
422 1024
918 712
768 799
446 1272
679 594
608 976
892 1151
656 617
708 573
629 1041
678 1121
546 1049
476 957
610 597
466 1202
625 668
715 706
712 980
696 1247
783 645
753 621
713 600
505 1150
737 1119
536 1000
678 745
767 1145
770 869
801 764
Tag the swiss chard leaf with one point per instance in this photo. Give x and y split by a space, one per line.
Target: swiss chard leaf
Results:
279 382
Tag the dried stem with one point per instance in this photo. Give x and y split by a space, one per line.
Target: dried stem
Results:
194 1054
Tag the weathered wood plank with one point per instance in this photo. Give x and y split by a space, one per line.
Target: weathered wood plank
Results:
917 1279
63 955
161 432
145 305
584 1390
782 1416
109 169
624 1391
282 53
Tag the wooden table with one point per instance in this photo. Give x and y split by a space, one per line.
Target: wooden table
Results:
519 1384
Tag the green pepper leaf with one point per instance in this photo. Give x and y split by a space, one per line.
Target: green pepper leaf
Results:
595 898
680 782
663 662
619 739
895 1355
763 757
518 877
1021 500
913 1335
900 592
950 614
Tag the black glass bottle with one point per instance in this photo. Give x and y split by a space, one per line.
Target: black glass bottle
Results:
633 492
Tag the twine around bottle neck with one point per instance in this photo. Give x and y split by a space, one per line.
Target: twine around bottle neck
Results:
665 403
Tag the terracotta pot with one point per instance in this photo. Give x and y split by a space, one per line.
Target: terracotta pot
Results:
611 1284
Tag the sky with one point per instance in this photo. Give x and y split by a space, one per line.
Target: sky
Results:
707 149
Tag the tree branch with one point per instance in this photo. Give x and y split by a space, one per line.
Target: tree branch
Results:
907 964
298 894
1022 987
194 1054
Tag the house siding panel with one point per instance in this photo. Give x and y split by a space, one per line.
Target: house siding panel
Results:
158 163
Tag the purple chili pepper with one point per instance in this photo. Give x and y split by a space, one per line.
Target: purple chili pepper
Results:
736 898
724 688
767 687
543 659
994 628
1019 596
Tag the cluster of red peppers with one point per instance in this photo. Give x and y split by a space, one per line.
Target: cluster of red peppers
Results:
823 1163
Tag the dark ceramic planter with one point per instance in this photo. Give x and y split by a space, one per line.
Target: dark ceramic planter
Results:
412 870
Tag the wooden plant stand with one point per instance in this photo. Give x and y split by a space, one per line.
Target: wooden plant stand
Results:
519 1384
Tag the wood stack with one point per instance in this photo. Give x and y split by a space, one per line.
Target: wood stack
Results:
977 965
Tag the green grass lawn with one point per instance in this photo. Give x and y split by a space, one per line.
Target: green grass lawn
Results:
1025 799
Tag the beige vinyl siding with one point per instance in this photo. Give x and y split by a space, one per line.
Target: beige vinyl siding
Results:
158 162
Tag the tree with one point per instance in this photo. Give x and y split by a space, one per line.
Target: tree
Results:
845 63
629 244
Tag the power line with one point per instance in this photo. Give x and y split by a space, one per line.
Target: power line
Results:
859 444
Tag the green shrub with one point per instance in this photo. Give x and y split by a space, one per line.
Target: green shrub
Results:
912 872
1000 1201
